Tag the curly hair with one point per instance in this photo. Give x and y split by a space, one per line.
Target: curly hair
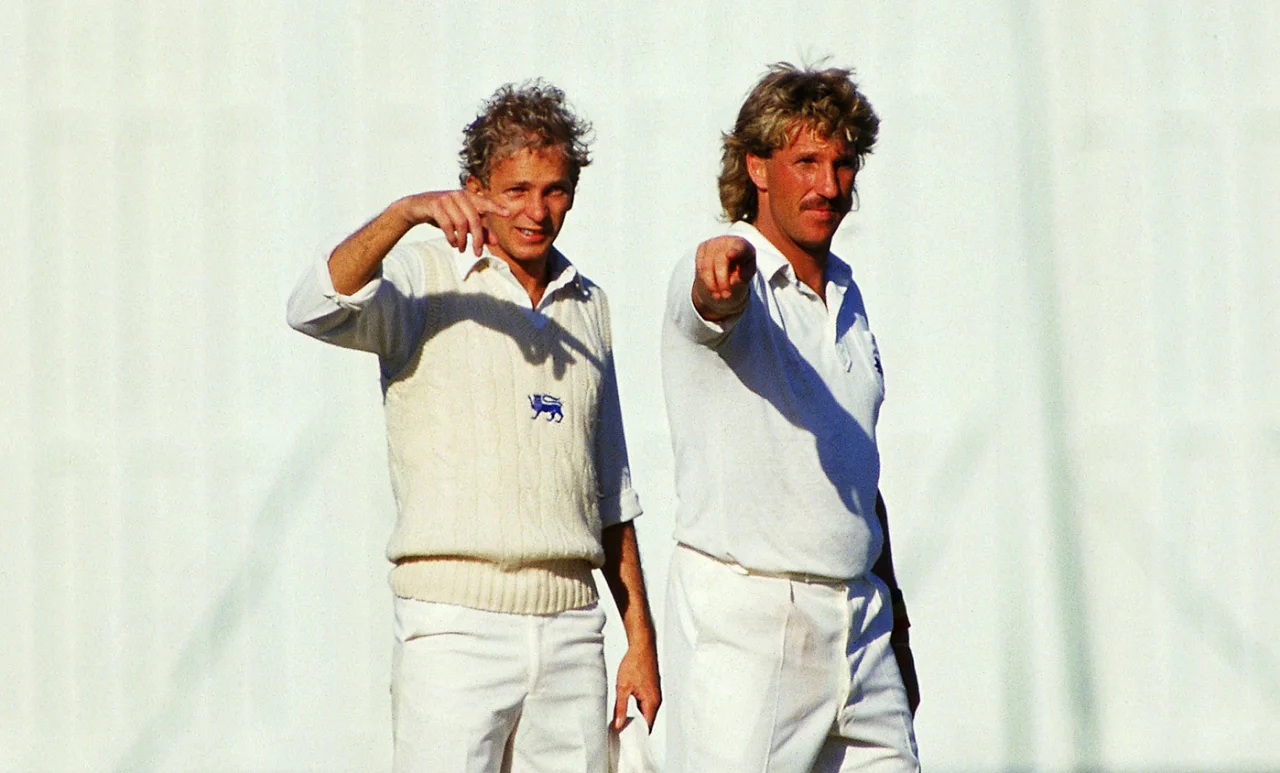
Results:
533 115
787 100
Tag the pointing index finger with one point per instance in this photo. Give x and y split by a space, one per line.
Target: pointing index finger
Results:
488 206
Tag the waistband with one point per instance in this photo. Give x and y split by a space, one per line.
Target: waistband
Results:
805 577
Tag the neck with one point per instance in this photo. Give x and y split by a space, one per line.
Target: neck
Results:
808 263
532 274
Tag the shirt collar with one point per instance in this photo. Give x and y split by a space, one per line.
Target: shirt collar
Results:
773 264
563 273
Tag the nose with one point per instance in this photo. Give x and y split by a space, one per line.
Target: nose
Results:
827 184
536 208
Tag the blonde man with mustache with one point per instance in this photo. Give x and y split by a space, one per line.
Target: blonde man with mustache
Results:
786 640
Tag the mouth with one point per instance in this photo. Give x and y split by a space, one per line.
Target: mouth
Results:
531 234
826 213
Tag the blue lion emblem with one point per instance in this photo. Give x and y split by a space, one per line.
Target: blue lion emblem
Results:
547 404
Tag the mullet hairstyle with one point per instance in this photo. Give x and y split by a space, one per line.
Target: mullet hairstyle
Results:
534 115
786 101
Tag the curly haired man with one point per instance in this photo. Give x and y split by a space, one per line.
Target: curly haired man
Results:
786 634
505 443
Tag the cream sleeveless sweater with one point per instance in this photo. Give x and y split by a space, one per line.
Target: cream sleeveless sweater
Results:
491 435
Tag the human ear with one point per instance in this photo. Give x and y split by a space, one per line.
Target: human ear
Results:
756 171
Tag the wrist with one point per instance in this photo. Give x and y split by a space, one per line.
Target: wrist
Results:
400 213
713 310
641 638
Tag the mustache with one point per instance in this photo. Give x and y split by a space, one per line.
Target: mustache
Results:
822 202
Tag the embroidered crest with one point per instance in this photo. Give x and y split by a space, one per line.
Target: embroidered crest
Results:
546 404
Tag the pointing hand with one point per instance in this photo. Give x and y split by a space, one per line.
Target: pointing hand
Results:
723 269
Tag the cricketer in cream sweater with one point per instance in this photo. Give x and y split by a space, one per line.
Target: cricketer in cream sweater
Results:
506 451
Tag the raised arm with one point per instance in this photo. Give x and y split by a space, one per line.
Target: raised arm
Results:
638 671
459 214
364 294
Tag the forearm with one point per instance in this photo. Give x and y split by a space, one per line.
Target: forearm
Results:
354 263
623 574
883 567
900 637
638 671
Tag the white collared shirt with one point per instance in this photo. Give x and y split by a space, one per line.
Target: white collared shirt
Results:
773 420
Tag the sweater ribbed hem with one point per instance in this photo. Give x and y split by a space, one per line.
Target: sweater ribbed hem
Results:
544 588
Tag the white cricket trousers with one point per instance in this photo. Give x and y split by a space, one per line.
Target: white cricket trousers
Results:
774 675
482 692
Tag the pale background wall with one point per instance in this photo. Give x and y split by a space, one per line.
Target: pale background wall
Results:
1068 246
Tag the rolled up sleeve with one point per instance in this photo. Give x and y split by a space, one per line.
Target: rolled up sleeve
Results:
618 502
385 316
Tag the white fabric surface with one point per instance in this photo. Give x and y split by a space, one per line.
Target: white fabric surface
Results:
763 673
629 748
479 692
773 421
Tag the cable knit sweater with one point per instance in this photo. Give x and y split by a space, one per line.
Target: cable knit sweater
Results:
491 429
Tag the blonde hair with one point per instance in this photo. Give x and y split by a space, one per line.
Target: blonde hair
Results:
787 100
533 115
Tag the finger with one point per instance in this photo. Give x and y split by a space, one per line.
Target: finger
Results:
487 205
720 268
649 709
701 274
440 218
620 709
475 226
454 223
744 262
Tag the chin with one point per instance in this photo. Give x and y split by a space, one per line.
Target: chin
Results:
818 242
525 255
